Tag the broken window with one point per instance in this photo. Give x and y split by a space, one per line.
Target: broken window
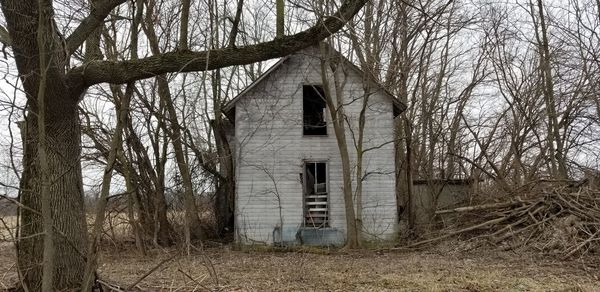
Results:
316 206
314 110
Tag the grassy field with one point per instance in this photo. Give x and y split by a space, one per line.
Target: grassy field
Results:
435 269
445 267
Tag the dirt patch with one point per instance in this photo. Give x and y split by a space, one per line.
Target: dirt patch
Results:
435 269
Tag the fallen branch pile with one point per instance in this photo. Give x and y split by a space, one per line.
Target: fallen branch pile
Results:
558 222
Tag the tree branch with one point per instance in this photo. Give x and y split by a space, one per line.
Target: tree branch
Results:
236 23
99 11
5 37
120 72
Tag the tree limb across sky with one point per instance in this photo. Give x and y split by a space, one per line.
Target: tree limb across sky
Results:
120 72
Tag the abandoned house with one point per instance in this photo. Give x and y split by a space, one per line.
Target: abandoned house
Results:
288 165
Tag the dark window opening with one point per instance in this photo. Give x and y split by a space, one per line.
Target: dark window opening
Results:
396 111
314 110
316 206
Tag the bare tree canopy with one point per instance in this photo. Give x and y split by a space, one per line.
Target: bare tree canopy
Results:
52 178
118 106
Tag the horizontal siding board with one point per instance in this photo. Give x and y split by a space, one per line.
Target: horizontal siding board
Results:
271 148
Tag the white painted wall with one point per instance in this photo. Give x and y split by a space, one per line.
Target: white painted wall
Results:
271 149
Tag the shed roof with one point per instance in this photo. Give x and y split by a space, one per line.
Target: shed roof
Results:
444 181
228 109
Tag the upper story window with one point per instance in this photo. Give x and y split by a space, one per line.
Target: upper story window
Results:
314 106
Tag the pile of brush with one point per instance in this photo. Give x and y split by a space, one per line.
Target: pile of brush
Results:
562 221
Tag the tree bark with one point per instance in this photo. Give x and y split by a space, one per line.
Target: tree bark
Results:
225 181
64 89
280 8
121 72
225 193
62 148
66 193
336 110
183 27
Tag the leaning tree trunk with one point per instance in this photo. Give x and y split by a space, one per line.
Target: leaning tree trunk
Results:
336 110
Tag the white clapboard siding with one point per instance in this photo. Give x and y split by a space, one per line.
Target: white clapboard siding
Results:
271 149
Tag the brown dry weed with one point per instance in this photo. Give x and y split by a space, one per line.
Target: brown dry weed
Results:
435 269
432 270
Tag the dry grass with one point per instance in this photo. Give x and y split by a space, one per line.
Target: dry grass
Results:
444 267
433 270
436 269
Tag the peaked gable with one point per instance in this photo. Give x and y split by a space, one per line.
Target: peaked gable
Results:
229 108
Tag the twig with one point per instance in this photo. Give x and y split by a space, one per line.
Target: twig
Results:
151 271
193 280
578 247
524 228
508 227
109 286
474 227
479 207
209 265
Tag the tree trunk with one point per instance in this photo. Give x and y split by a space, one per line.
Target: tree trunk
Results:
225 193
62 149
191 212
556 143
193 223
122 112
336 110
152 206
183 27
280 7
66 193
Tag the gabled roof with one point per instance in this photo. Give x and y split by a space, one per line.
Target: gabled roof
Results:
228 109
230 106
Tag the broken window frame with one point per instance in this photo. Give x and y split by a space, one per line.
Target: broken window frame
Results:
319 128
315 199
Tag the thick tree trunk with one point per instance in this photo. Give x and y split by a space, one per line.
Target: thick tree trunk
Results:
62 149
66 193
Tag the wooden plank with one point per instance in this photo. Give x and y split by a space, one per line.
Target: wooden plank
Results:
317 209
316 197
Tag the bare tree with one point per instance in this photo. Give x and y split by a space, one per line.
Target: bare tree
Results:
65 87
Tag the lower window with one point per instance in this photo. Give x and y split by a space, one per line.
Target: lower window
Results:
316 199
